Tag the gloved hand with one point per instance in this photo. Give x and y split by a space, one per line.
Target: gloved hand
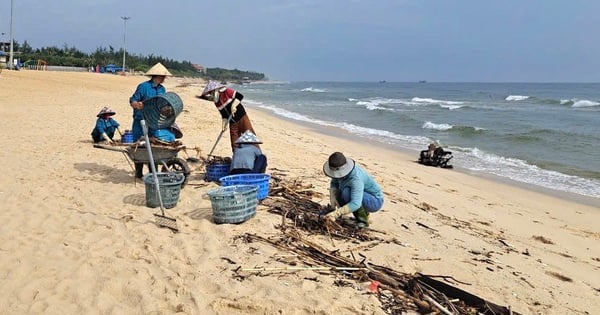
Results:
225 123
338 212
333 197
106 138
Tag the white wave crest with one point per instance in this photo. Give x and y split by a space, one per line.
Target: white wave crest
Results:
430 125
516 97
584 103
311 89
434 101
451 107
373 105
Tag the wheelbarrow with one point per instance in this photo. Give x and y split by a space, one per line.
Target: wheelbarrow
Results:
164 156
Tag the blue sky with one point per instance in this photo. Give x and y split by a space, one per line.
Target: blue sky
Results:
342 40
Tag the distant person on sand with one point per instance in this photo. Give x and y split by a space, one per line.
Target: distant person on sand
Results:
351 190
247 157
105 126
144 91
229 104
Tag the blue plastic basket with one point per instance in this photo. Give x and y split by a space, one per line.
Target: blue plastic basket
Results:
169 186
260 180
215 171
233 204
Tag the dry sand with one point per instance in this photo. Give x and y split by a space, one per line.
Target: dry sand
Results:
77 238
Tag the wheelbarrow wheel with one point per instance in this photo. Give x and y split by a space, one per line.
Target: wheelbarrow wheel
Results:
177 165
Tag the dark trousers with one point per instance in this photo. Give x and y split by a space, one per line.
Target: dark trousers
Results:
139 169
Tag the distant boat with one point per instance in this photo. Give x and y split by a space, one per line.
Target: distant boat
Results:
382 81
422 81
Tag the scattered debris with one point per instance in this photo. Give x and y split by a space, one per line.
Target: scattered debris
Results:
398 292
542 239
559 276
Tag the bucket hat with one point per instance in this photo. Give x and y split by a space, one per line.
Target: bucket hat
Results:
338 166
158 69
248 137
105 111
211 86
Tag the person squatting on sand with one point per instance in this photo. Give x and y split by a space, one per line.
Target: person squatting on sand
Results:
229 104
146 90
351 190
248 158
105 126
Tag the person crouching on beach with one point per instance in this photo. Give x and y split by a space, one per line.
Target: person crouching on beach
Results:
146 90
351 190
105 126
248 158
229 104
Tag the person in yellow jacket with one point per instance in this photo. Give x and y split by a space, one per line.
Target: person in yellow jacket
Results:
351 190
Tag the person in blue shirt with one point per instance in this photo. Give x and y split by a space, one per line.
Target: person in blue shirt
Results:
144 91
247 157
351 190
105 126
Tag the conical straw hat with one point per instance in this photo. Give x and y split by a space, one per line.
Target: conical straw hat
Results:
158 69
211 86
106 110
248 137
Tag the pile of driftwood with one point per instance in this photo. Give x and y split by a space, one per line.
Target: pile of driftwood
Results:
292 200
398 292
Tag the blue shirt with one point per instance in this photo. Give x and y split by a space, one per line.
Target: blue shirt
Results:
244 156
107 126
144 91
359 181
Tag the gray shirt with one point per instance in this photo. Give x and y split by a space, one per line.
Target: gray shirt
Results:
244 156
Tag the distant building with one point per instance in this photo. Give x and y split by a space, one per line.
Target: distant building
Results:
199 68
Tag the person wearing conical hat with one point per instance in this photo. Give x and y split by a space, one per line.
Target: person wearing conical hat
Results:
351 190
229 104
144 91
105 126
247 157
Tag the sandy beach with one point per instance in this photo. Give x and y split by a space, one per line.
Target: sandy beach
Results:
77 238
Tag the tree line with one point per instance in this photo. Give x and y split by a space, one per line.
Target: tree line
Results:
73 57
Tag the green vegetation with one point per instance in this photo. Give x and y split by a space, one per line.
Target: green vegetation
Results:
73 57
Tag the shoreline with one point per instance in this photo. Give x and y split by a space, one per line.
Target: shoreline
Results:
412 155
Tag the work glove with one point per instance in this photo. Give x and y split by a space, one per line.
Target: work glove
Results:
106 138
333 192
338 212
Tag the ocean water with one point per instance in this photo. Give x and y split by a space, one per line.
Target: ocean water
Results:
541 134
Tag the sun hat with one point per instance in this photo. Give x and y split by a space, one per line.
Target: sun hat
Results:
338 166
248 137
211 86
105 111
158 69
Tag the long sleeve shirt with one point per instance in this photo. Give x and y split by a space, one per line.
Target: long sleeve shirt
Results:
359 181
144 91
244 156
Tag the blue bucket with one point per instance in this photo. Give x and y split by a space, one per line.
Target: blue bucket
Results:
127 137
259 180
215 171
